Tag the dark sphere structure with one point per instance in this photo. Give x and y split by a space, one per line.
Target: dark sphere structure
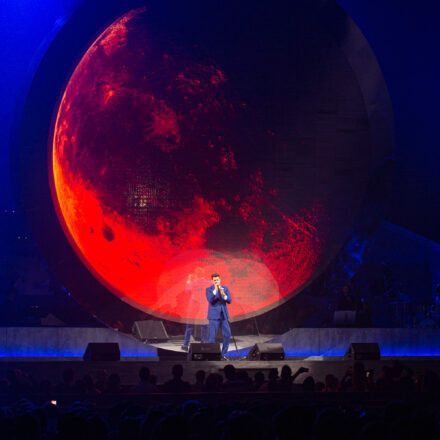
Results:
237 141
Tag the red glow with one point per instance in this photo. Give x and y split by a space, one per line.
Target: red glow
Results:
153 196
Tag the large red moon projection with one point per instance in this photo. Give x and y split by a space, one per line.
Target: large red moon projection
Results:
173 160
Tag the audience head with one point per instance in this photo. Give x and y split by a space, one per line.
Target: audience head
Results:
88 382
358 378
114 382
331 383
130 428
241 425
229 371
329 424
97 428
177 371
213 382
170 427
259 377
273 374
286 372
319 386
309 384
190 407
27 427
294 421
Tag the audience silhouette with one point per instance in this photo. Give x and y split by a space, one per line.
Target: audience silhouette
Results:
274 417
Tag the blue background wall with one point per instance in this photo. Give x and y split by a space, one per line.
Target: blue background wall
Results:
404 36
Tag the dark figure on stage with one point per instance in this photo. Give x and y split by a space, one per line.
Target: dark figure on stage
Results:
193 301
218 297
348 302
346 299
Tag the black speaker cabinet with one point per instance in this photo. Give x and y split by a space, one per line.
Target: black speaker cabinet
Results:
150 331
363 351
266 352
102 351
205 351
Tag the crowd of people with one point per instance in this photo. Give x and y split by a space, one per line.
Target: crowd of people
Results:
394 377
198 420
269 418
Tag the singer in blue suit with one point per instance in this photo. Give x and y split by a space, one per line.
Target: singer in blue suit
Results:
218 297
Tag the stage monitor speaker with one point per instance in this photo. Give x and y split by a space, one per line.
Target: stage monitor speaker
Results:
150 331
102 351
363 351
266 352
205 351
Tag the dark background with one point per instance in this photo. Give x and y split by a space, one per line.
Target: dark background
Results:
404 36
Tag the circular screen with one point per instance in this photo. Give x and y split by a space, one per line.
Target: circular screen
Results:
179 152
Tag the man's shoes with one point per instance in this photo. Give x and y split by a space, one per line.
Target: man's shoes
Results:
184 348
224 358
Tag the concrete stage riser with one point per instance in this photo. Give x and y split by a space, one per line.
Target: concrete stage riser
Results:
72 342
46 352
335 341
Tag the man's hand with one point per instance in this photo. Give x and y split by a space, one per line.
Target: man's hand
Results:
300 370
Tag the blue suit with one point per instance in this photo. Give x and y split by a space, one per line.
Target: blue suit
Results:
218 315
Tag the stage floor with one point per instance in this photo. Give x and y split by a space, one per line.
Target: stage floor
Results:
54 342
243 342
46 352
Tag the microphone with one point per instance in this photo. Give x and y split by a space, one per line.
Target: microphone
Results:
222 291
